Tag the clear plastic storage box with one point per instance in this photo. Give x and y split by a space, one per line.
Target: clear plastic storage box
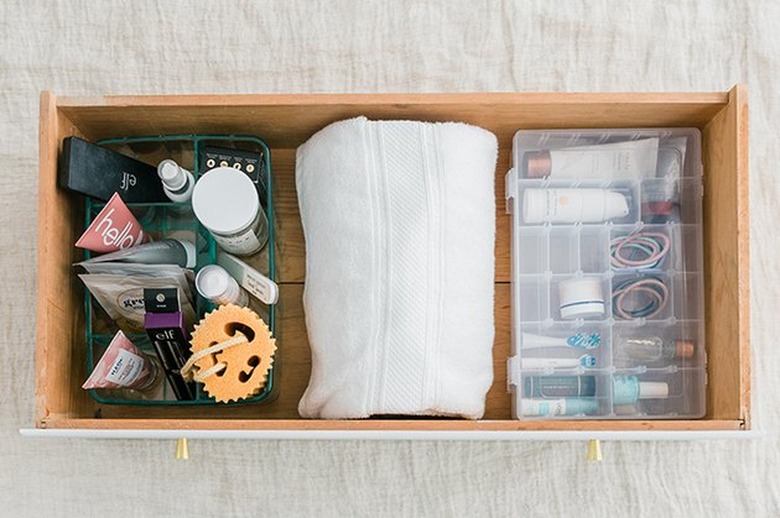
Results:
607 282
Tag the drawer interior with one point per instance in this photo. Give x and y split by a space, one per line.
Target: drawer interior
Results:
286 122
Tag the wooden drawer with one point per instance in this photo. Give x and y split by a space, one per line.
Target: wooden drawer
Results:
286 121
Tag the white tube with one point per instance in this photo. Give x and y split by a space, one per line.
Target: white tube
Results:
573 205
629 159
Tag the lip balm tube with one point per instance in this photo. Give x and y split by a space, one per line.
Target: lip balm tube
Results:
215 283
573 205
225 201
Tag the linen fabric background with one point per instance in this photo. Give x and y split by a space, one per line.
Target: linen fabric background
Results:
299 46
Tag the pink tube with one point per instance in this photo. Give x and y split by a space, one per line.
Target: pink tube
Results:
123 365
115 228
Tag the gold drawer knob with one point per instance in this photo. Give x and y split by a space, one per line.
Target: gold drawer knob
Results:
182 449
594 451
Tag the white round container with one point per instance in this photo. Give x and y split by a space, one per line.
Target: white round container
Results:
581 298
225 201
215 283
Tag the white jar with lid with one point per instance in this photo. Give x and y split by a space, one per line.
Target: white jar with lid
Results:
226 202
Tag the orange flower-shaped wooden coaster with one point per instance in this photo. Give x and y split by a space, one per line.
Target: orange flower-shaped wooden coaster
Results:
241 353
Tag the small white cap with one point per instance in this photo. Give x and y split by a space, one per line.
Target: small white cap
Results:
171 174
653 390
192 254
615 205
212 281
216 284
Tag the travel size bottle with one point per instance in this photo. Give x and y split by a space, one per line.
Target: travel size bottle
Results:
554 387
652 349
215 283
628 390
178 183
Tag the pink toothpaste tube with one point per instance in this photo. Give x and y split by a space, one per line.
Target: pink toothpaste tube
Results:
115 228
124 366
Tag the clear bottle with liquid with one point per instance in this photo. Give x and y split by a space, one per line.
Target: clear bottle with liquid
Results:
653 349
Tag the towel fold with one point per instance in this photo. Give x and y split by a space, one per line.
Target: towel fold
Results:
399 221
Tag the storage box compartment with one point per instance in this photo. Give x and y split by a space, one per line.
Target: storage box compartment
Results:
286 121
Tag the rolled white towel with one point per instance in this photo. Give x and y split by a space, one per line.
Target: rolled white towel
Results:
399 221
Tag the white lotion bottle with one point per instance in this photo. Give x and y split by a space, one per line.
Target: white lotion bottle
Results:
573 205
178 182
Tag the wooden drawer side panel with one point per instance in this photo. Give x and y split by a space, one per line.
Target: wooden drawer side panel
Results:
271 115
59 367
726 247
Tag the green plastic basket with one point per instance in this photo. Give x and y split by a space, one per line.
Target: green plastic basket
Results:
163 220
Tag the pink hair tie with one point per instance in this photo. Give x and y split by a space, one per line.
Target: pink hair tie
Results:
651 247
